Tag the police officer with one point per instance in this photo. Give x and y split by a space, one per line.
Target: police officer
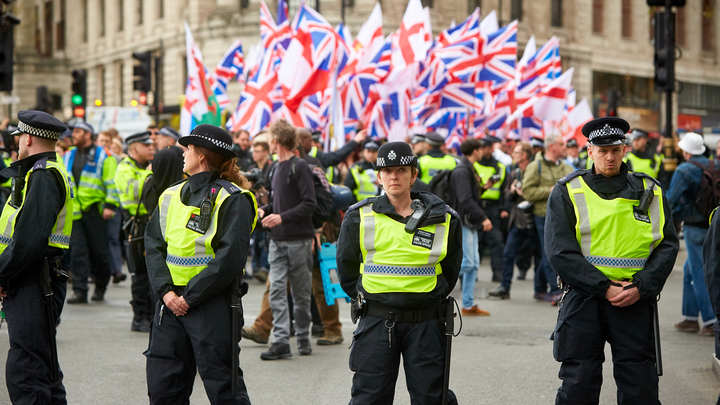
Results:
96 201
492 175
197 242
37 222
362 178
434 160
130 178
400 255
610 237
641 158
165 137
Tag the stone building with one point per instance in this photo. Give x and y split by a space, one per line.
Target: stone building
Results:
608 42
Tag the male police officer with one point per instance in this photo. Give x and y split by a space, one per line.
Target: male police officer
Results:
130 177
641 158
434 160
610 237
96 201
362 178
37 222
400 255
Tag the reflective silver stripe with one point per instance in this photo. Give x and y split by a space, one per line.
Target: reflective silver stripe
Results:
90 185
617 262
438 243
584 220
165 198
9 227
188 261
655 219
60 221
390 270
5 240
575 183
60 239
369 228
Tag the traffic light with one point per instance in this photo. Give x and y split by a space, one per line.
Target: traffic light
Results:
662 3
664 58
142 71
79 92
7 44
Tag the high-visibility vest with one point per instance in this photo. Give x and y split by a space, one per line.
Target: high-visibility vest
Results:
130 180
189 252
612 235
430 166
485 172
97 179
396 261
365 183
651 166
8 183
313 152
62 229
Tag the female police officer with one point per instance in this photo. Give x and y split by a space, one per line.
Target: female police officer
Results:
400 254
197 242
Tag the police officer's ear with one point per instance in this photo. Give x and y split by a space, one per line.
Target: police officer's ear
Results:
413 174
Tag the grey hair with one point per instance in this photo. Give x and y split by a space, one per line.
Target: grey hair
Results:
553 137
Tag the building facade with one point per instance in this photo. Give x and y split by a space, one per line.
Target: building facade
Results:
608 42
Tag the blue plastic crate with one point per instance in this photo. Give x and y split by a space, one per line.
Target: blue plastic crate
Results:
329 273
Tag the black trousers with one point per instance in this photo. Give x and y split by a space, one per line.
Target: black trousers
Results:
375 359
493 240
33 351
140 288
584 325
90 252
200 340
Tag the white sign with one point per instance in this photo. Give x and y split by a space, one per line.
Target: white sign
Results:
126 120
9 100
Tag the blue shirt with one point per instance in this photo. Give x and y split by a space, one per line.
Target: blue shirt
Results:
683 190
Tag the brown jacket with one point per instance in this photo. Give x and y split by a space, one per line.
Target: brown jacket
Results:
539 178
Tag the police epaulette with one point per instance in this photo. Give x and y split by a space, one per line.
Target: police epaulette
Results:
40 164
572 175
645 176
451 211
228 186
362 203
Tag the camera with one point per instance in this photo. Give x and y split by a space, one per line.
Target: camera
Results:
495 178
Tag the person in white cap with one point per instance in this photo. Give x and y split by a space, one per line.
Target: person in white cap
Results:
684 189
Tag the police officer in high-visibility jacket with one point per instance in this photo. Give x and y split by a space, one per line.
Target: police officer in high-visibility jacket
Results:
36 223
641 158
362 177
130 178
197 243
93 172
399 255
435 159
610 237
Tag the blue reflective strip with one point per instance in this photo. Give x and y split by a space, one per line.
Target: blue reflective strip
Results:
387 269
5 240
619 262
59 238
191 261
90 185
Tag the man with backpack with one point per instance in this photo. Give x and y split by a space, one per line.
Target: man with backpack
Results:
465 191
692 195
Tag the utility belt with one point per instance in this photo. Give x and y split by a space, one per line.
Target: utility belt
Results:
432 313
51 271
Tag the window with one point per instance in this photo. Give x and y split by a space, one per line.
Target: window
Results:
160 8
101 11
626 18
120 82
138 12
85 21
680 39
597 16
60 27
473 4
100 92
516 10
556 13
48 17
708 9
120 15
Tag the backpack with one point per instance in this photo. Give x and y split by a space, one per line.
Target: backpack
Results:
708 196
441 187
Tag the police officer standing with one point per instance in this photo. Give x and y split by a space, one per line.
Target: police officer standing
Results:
37 222
96 201
197 243
610 237
641 158
130 178
399 254
435 159
362 178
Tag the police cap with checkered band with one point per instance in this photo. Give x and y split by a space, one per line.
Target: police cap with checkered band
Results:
40 124
395 154
210 137
606 131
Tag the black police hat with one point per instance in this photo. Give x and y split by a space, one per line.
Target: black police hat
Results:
434 139
572 143
638 133
141 137
210 137
83 125
371 145
606 131
395 154
417 138
316 135
169 132
40 124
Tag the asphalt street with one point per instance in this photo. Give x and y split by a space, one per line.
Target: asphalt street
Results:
502 359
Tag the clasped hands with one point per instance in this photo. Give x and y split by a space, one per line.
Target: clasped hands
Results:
619 296
176 303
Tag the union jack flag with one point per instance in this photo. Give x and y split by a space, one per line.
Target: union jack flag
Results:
230 68
500 55
541 68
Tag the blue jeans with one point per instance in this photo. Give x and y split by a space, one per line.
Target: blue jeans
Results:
112 227
515 242
469 266
695 297
545 268
260 250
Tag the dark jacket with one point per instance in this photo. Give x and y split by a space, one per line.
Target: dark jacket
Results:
349 256
230 243
563 250
521 219
465 188
684 187
711 261
292 195
332 158
45 196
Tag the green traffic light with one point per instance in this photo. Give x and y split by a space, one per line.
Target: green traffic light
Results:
76 99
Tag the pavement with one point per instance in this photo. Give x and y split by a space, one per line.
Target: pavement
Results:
502 359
